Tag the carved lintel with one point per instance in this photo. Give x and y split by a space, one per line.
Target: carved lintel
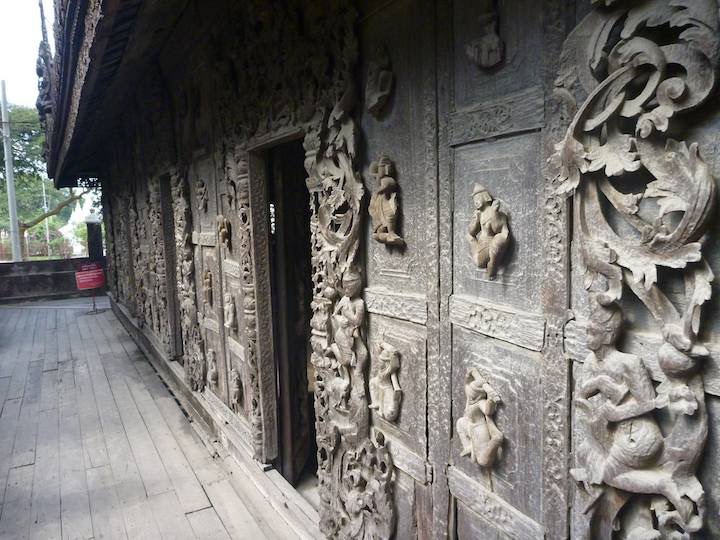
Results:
489 231
520 328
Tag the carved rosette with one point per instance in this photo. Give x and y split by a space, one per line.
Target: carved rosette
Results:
642 202
354 474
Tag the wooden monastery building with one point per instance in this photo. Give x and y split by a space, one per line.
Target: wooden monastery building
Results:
446 266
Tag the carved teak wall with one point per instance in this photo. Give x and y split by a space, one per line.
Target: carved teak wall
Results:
513 332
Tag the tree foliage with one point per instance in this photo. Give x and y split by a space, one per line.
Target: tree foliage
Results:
30 173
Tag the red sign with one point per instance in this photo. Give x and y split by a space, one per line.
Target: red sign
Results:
90 276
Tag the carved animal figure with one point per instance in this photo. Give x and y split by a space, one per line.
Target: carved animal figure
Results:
383 203
479 436
489 233
385 391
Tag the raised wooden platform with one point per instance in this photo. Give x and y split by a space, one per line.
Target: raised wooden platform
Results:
93 444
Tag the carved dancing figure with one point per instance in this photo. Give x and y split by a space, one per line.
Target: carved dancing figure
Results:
229 311
489 232
224 226
383 203
385 391
480 437
348 348
207 287
236 392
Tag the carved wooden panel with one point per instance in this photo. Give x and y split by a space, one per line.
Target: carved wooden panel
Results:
409 340
508 169
514 374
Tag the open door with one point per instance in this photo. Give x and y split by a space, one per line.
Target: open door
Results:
289 214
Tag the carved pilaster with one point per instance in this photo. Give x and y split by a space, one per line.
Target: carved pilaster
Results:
642 432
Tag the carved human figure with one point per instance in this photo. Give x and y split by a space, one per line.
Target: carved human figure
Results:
229 311
385 391
383 203
348 351
202 195
212 370
207 287
487 51
380 80
624 447
236 390
223 227
479 436
489 232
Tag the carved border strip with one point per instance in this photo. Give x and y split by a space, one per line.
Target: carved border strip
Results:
522 329
518 112
491 507
409 307
203 238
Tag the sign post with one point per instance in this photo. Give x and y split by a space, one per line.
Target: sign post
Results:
90 276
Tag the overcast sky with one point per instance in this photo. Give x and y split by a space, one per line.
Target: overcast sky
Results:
19 39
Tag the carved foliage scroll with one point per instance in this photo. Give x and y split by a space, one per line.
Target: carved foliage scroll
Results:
193 355
354 473
643 201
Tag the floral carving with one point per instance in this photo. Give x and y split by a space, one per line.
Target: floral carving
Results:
193 356
489 232
480 438
644 431
383 203
355 485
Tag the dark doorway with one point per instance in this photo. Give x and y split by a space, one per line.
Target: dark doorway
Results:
291 284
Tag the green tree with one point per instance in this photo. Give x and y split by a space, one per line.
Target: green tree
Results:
30 174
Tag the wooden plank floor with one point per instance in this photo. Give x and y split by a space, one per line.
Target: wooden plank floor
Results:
93 445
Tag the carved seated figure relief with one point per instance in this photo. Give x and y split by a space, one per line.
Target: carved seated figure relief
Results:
383 203
489 232
223 228
385 392
480 438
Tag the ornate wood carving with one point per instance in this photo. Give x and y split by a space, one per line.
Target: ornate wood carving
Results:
480 438
380 81
487 50
523 329
643 202
383 207
230 312
385 391
489 232
354 473
224 228
193 355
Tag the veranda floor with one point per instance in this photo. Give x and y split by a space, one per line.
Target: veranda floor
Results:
92 444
